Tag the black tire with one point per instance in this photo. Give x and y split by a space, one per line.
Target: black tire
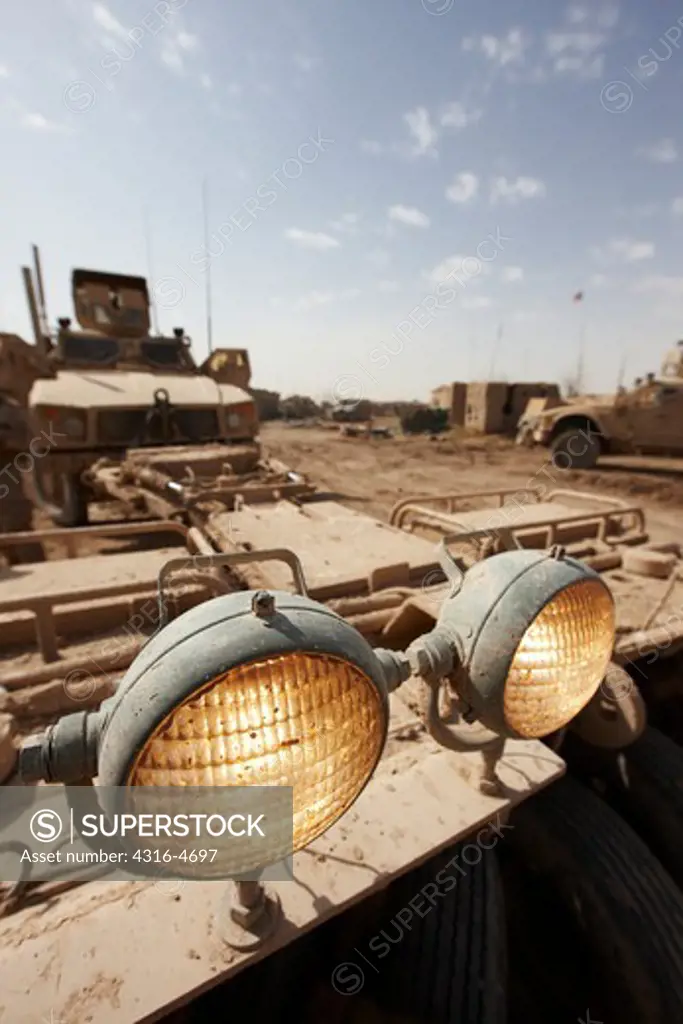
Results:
628 909
450 965
274 991
645 784
67 503
25 554
17 517
576 448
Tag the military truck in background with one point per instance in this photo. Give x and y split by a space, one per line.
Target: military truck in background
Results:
112 386
20 366
645 419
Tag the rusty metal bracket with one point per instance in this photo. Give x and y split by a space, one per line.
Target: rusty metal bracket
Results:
231 559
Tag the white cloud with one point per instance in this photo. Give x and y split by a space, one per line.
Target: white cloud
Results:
576 52
625 250
662 152
598 281
578 42
503 50
511 275
234 89
41 124
458 115
512 191
388 286
677 206
460 269
580 65
372 146
174 48
316 298
476 302
186 41
577 46
311 239
632 252
424 133
409 215
605 16
464 187
346 224
4 71
306 63
206 81
106 21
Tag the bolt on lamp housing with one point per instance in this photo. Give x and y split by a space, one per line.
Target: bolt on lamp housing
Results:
534 635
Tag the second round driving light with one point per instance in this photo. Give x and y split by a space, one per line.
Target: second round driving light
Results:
534 635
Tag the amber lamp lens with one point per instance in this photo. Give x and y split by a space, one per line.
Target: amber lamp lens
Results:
310 721
561 659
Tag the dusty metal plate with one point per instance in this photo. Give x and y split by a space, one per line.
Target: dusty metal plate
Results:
114 953
20 585
335 544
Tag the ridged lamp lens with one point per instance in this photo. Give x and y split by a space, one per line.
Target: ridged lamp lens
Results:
314 722
560 660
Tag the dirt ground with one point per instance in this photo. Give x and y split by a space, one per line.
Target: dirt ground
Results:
372 475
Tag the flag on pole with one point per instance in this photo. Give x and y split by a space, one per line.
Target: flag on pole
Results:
578 297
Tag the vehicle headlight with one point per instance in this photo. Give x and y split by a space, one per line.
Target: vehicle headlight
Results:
230 696
534 635
71 422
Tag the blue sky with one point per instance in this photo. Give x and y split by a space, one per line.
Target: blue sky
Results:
401 192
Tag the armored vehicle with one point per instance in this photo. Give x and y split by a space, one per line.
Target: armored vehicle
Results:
114 386
646 419
20 447
672 365
350 411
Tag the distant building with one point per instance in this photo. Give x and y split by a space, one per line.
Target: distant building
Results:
489 407
267 403
453 398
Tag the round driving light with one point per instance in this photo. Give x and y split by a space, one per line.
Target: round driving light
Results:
534 634
74 426
309 721
265 690
565 650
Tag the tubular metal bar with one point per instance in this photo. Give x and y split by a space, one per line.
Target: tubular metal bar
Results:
76 533
234 558
453 499
510 534
587 496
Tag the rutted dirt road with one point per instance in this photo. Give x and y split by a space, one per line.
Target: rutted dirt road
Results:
372 475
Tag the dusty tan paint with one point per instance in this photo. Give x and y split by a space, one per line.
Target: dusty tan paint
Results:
131 389
115 953
648 418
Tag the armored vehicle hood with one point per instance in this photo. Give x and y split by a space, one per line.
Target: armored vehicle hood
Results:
132 389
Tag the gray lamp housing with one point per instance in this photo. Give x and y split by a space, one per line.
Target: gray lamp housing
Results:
486 619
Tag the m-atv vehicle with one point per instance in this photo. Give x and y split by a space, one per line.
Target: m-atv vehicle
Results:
114 387
646 419
411 698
